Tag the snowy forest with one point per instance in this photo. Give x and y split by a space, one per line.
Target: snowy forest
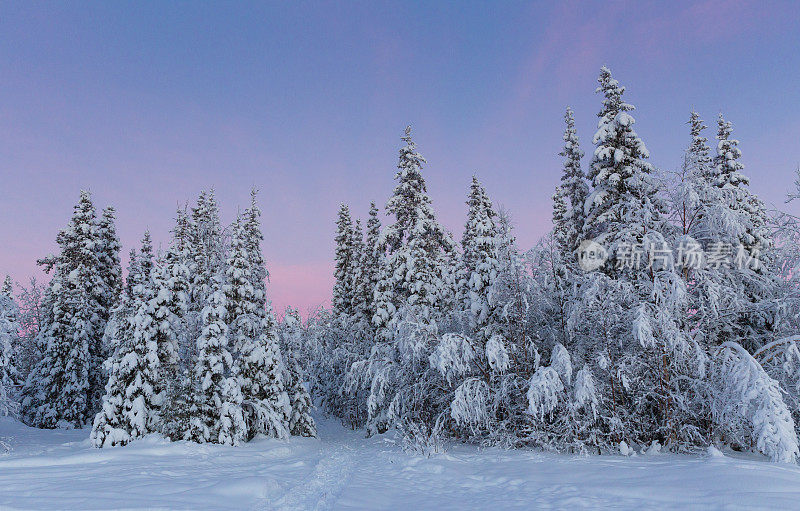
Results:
661 312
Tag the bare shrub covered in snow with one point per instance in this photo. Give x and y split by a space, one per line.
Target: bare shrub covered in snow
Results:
748 405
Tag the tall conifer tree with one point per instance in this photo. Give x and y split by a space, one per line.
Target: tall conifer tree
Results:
575 188
213 363
9 330
368 270
624 204
482 261
59 391
416 246
343 292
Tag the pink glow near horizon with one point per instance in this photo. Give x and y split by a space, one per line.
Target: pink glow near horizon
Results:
306 287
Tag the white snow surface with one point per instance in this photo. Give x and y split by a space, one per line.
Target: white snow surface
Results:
343 470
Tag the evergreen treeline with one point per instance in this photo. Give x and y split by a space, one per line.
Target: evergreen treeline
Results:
659 312
189 347
656 313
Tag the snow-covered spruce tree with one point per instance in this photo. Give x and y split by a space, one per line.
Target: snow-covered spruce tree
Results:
118 319
107 248
556 269
253 238
560 220
261 377
415 293
416 246
364 306
141 281
205 247
261 369
232 422
257 365
481 246
106 296
345 261
369 380
177 313
624 204
359 334
110 268
110 427
300 421
142 363
569 200
735 290
111 424
726 162
514 284
59 391
212 365
752 270
695 196
467 259
348 332
137 370
143 366
569 228
293 346
357 271
239 292
450 300
269 332
557 257
291 335
9 331
729 177
175 280
199 235
7 289
165 323
700 153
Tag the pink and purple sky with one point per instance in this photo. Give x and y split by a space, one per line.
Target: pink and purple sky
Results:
145 104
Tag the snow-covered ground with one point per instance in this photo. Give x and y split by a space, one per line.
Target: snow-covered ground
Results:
343 470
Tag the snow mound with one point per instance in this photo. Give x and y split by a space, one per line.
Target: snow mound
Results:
342 470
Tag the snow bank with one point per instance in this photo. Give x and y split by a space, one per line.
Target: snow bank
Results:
343 470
